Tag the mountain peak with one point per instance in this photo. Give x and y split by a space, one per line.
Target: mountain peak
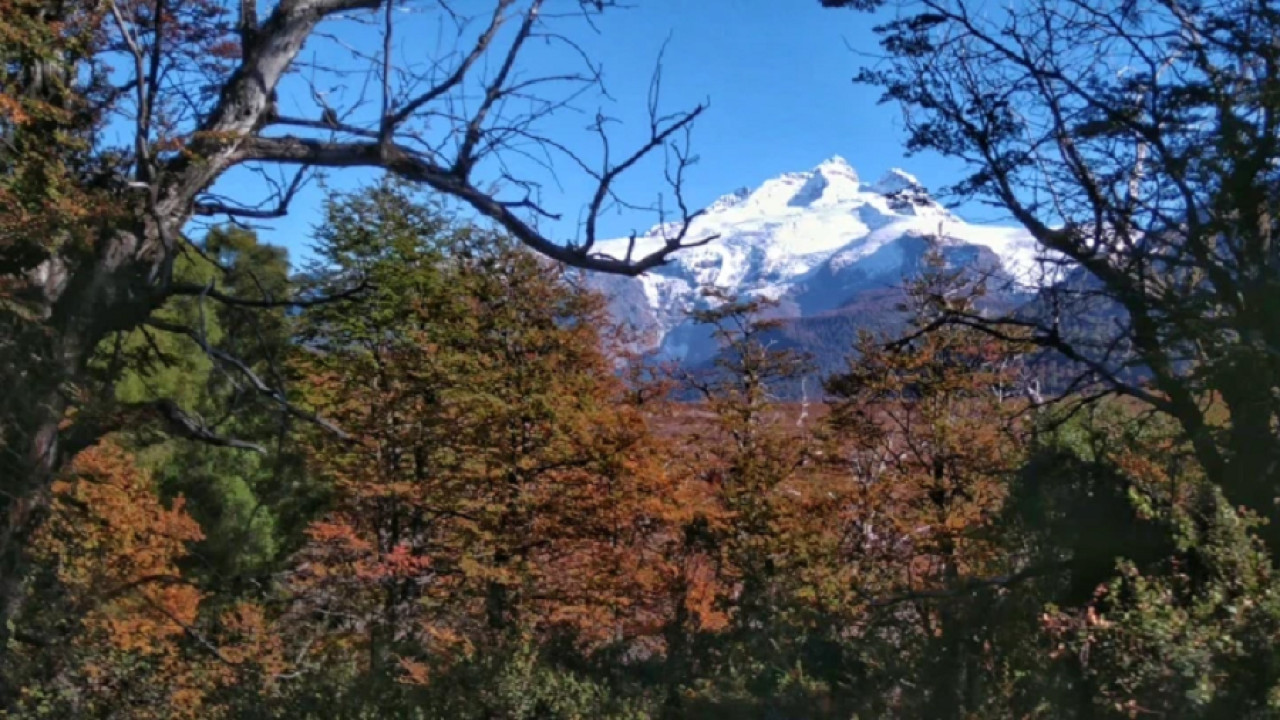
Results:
832 182
896 180
836 165
732 200
814 240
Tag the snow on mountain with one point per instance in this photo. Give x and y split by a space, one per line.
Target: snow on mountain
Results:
811 240
896 180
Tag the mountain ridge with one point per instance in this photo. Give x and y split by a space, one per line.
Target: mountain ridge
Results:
816 242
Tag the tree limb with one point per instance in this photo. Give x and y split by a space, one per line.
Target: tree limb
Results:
245 371
194 290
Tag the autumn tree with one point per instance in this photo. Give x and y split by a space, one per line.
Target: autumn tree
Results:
111 626
926 425
755 555
125 122
496 480
114 549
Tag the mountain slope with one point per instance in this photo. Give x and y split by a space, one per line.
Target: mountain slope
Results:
820 242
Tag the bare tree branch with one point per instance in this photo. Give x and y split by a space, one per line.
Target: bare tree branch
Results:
281 208
1140 142
244 370
416 168
192 427
202 97
192 290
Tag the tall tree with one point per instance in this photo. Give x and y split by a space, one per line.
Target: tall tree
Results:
497 480
1170 606
1137 142
928 426
753 544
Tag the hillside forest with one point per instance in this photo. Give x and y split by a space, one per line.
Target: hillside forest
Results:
424 474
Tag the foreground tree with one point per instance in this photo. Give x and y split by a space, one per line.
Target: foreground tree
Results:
758 575
927 427
1138 143
1170 604
119 118
496 488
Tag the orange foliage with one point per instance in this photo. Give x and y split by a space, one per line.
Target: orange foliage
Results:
930 431
125 623
499 483
116 548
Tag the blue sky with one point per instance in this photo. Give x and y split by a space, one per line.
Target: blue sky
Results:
777 75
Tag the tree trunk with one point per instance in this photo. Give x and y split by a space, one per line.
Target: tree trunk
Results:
47 359
1249 477
24 497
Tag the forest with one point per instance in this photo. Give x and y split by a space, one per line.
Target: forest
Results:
424 474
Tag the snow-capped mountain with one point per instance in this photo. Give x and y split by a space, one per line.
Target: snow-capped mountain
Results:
816 241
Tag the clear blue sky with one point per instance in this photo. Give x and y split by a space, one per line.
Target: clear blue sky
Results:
777 74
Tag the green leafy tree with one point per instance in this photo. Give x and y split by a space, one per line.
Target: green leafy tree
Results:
1169 605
